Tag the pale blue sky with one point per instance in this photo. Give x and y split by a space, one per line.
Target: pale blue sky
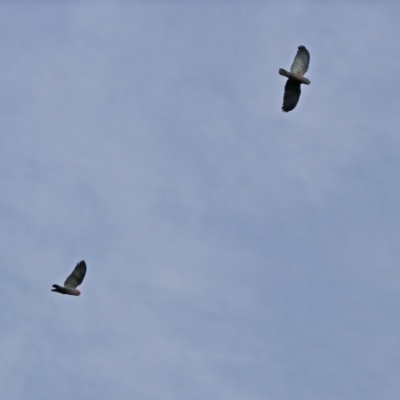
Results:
234 252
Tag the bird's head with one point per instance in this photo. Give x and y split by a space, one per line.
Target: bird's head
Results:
306 81
78 293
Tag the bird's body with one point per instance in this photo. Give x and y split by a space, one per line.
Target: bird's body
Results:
295 79
73 281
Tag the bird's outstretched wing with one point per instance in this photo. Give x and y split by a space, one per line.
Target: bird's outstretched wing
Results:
301 61
77 275
292 95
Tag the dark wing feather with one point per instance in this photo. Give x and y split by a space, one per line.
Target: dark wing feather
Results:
76 278
301 61
292 95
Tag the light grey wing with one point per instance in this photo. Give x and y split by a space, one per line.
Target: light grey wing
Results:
77 275
291 96
301 61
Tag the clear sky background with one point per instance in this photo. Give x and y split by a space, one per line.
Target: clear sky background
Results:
234 252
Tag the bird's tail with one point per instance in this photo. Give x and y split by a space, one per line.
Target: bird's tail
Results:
56 288
283 72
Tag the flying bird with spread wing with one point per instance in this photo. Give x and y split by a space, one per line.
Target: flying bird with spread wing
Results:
296 78
73 281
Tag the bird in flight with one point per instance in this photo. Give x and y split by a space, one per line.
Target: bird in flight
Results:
73 281
296 78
